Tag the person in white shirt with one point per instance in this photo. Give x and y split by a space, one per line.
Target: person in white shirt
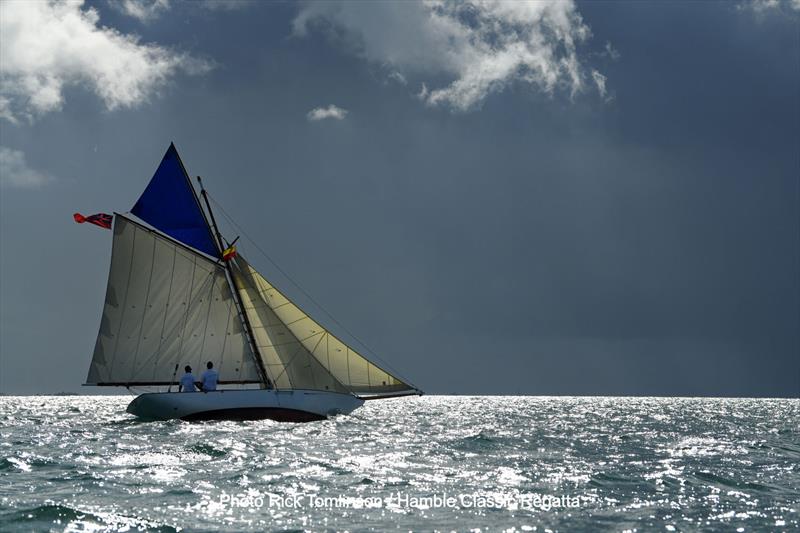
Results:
187 381
210 377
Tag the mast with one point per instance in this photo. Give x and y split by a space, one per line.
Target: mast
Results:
237 298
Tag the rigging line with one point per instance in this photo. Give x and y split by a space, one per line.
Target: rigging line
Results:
310 353
184 317
307 295
297 339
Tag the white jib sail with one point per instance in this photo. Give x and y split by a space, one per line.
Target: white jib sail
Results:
165 305
300 353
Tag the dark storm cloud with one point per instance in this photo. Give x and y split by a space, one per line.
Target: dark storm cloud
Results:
543 244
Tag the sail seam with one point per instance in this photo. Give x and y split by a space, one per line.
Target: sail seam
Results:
184 318
208 315
286 368
166 311
144 313
225 343
297 339
254 284
124 304
297 352
182 336
189 305
299 320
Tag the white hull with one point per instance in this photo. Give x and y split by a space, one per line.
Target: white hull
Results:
283 405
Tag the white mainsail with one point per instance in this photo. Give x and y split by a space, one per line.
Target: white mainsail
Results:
300 353
166 304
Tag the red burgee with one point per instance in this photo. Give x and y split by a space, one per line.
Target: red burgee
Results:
100 219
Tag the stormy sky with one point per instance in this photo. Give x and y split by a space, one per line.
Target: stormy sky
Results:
497 198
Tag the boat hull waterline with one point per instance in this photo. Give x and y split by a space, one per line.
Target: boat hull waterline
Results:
254 404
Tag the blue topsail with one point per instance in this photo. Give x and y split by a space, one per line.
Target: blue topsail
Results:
169 204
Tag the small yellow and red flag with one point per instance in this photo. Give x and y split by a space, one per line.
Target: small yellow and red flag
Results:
229 253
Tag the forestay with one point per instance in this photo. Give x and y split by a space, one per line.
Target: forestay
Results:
297 351
165 305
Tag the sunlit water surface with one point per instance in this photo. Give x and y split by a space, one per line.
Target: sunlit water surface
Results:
82 464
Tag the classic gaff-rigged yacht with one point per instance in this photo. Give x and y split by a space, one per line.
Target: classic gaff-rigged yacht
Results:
172 300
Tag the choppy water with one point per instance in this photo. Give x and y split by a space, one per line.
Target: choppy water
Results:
81 463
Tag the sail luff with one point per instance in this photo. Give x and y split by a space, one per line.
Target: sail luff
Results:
229 277
125 299
199 206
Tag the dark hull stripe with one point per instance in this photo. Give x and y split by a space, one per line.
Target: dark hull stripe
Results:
279 414
385 396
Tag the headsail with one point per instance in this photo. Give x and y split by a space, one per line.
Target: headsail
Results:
165 305
170 205
297 351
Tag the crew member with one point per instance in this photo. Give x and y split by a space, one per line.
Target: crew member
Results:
210 377
187 381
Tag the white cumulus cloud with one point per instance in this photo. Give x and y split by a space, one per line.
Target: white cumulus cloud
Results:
144 10
600 83
766 6
15 172
148 10
399 78
321 113
462 51
612 53
46 46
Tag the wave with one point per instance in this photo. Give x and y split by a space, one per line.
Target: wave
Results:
705 477
42 517
475 443
207 449
609 479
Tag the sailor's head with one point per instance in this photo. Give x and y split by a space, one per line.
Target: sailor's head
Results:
209 365
188 369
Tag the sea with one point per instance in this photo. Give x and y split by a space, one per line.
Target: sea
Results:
434 463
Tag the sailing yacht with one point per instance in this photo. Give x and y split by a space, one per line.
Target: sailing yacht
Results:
174 299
